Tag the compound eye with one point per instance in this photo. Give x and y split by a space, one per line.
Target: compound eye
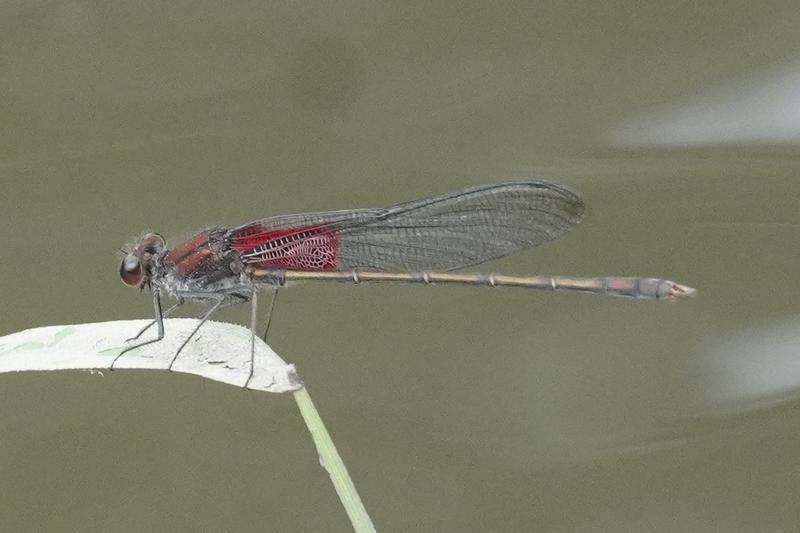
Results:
131 271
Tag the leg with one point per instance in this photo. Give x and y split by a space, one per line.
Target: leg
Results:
219 300
269 313
253 320
165 314
159 321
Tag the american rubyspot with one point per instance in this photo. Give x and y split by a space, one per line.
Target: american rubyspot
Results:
414 242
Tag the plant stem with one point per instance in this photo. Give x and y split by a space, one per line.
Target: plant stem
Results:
330 461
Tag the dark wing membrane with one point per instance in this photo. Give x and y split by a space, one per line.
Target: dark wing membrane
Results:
443 232
460 229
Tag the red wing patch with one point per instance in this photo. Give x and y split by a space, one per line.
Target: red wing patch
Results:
311 247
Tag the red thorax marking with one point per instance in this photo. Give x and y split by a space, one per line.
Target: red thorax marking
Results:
188 255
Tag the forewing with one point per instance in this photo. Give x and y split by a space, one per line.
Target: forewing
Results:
442 232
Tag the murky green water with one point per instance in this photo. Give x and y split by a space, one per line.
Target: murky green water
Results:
456 409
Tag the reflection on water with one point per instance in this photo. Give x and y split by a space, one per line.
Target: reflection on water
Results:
761 108
752 368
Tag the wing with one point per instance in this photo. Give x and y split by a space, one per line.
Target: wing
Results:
444 232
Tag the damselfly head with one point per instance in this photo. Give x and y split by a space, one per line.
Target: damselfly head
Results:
137 266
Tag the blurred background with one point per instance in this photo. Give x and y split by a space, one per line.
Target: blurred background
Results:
456 409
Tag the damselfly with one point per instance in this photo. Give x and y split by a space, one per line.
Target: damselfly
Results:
421 241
